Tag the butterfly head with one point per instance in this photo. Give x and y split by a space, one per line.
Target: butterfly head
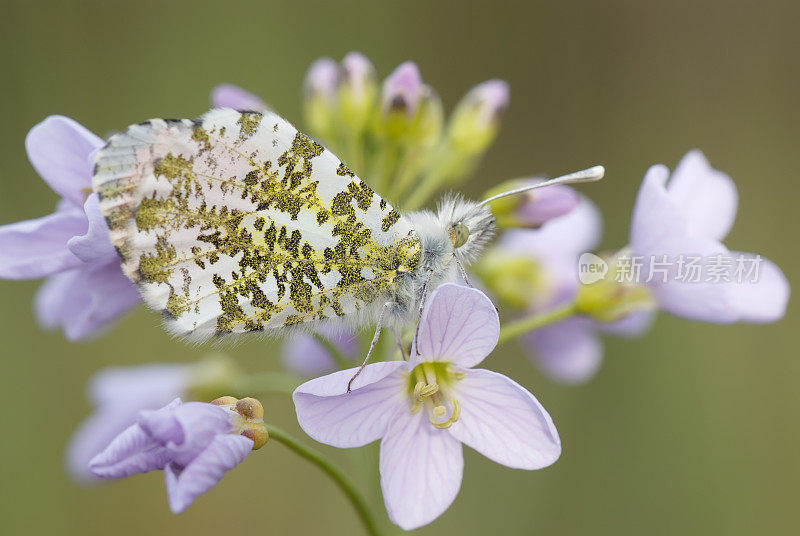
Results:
469 225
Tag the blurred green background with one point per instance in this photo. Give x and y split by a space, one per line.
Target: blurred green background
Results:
691 430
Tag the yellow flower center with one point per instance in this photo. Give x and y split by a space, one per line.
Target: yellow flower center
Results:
431 387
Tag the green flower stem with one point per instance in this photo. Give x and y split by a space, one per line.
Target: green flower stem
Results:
341 360
267 382
341 479
524 325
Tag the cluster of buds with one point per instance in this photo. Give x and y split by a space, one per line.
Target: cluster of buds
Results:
395 133
248 420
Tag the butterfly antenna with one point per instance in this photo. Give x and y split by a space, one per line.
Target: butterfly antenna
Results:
587 175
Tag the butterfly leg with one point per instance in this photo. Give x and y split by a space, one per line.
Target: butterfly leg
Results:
421 308
399 341
466 278
371 345
463 272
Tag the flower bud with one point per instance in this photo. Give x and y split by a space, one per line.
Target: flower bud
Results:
357 91
322 79
250 408
224 401
402 90
320 88
532 208
514 278
257 432
476 119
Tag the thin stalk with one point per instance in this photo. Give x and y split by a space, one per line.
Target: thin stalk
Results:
341 479
524 325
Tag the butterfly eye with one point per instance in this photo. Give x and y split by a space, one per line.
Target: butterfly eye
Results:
459 234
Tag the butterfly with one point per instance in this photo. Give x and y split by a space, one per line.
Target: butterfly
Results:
236 222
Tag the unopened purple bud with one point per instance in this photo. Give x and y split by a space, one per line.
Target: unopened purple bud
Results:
358 71
491 98
322 78
403 89
539 206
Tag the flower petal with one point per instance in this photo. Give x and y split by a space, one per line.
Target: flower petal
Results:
459 324
153 384
231 96
707 196
95 245
656 215
84 301
421 469
306 356
504 422
568 236
700 299
60 151
331 415
130 453
223 454
634 324
764 299
37 248
186 429
568 352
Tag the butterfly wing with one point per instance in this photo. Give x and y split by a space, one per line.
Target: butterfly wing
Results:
238 222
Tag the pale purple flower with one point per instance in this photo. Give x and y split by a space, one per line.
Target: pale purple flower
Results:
306 356
117 395
403 89
231 96
689 216
85 288
194 443
424 409
322 78
570 351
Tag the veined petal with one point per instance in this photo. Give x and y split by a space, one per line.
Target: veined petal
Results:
231 96
504 422
421 469
707 196
92 436
60 151
331 415
95 245
459 324
186 429
184 485
37 248
130 453
764 299
568 352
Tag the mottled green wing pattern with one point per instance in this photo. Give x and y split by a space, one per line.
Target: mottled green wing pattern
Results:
237 222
